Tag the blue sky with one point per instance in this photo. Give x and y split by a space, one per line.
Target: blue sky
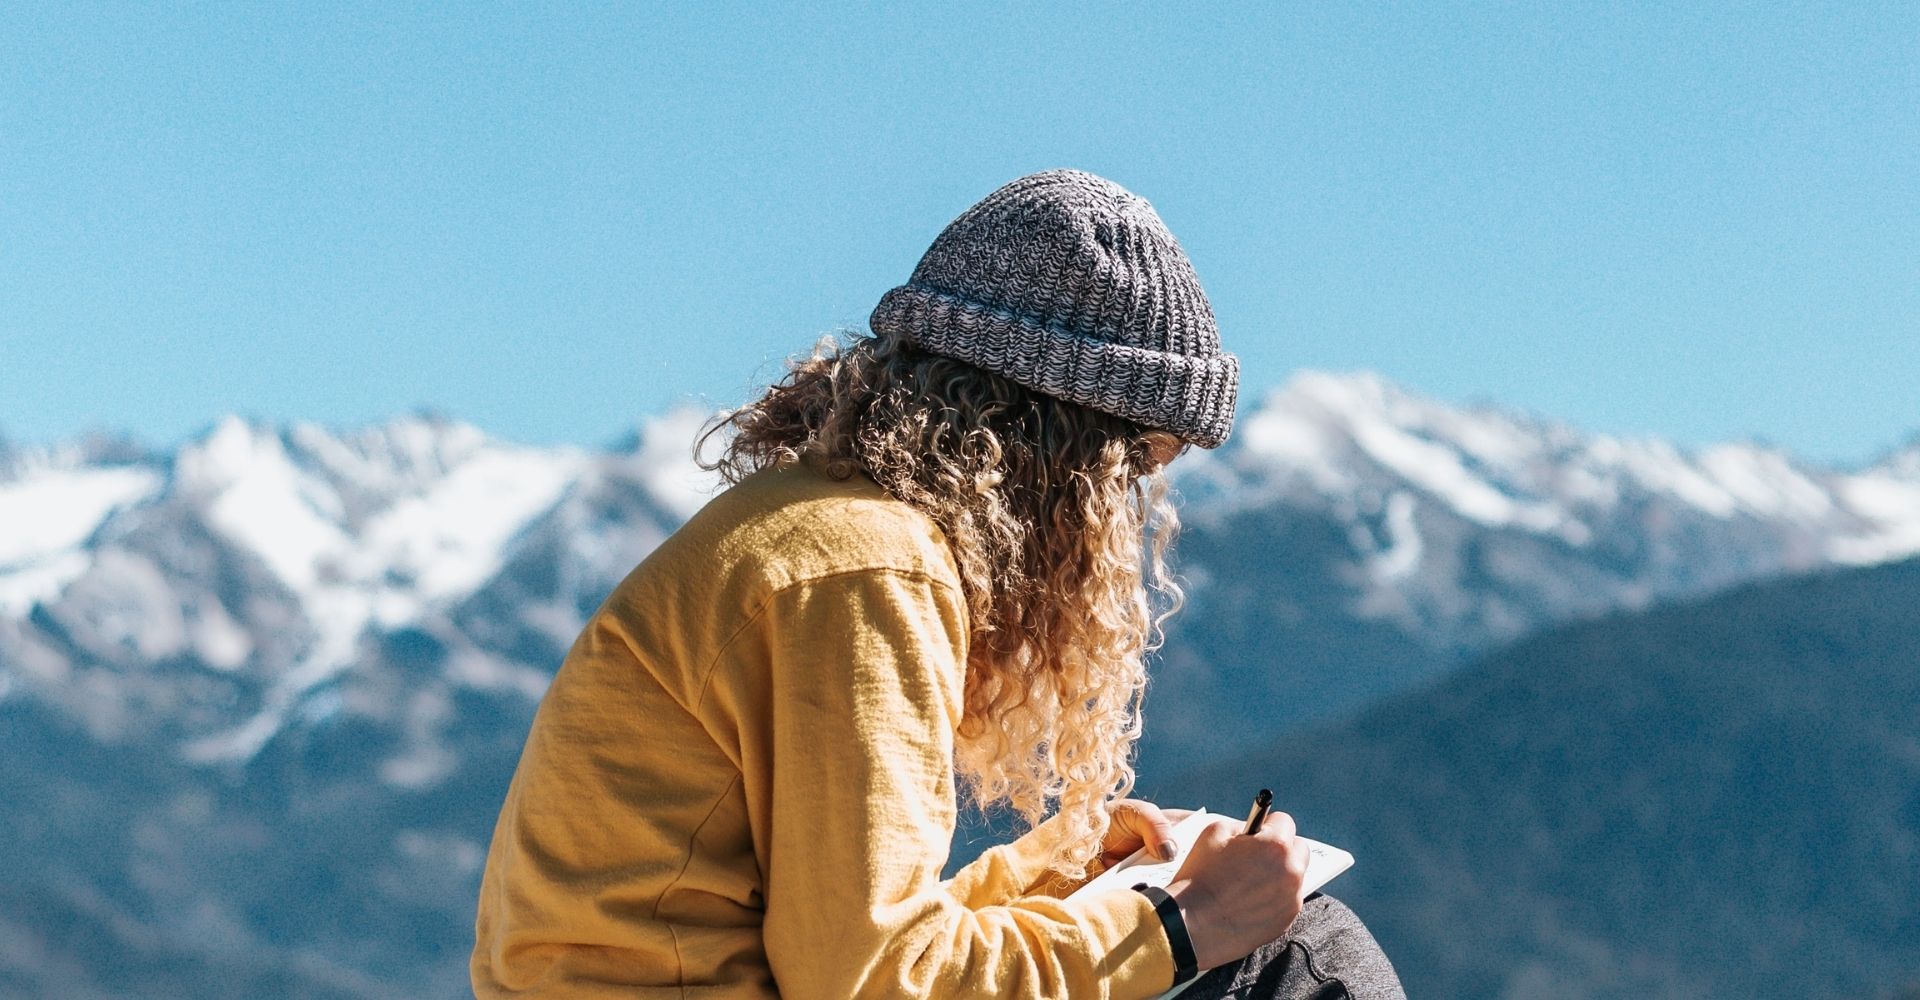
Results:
554 220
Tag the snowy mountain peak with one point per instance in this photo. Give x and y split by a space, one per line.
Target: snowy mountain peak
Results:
404 453
1341 433
18 460
49 511
1345 441
1902 462
278 552
662 456
228 452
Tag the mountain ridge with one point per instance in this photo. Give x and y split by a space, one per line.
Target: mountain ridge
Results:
268 553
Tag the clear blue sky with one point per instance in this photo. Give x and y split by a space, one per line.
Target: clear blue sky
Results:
552 221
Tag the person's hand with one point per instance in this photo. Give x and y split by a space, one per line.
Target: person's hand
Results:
1137 823
1237 892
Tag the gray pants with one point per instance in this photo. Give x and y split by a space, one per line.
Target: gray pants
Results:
1328 954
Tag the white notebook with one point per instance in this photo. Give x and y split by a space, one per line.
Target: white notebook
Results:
1325 861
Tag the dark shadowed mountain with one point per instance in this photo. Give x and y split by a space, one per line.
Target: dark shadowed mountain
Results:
1715 799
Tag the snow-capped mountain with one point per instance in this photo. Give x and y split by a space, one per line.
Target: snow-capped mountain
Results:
332 641
258 559
1375 456
1353 539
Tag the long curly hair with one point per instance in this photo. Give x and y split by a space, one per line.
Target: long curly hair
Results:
1059 519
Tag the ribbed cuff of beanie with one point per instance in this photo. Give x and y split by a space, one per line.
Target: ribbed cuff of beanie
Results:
1188 395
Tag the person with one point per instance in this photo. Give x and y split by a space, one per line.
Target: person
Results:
939 563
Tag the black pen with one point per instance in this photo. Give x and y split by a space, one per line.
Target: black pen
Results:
1261 803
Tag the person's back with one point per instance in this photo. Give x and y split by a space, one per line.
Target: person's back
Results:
743 779
629 820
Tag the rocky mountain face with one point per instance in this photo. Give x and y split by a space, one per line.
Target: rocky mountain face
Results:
262 692
1710 799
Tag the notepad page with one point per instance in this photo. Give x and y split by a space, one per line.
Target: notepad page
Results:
1323 863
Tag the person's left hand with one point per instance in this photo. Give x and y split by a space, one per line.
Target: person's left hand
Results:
1136 824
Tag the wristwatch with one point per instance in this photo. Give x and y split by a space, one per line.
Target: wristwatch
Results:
1185 966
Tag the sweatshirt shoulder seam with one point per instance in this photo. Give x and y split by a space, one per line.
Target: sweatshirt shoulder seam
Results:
712 667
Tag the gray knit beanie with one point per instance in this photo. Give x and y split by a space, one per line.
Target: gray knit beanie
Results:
1070 285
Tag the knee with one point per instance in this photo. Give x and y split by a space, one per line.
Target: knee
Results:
1337 944
1324 911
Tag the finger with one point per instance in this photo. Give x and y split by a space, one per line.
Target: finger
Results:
1219 831
1208 842
1144 821
1157 830
1298 859
1123 836
1279 824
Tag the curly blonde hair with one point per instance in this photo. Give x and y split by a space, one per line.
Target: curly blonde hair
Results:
1049 508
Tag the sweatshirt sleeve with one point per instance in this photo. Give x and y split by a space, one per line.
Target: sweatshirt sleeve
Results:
849 772
1018 868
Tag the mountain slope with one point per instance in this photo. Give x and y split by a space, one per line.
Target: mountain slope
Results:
1719 799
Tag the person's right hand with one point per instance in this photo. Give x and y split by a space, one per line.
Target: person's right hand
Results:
1237 892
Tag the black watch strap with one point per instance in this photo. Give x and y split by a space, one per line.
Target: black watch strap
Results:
1185 966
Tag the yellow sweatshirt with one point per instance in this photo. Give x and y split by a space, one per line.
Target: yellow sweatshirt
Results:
740 784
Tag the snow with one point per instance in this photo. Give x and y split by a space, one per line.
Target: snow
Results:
1583 484
217 639
450 539
401 456
1418 441
1493 440
1433 468
439 539
1490 438
266 514
1500 470
1296 442
237 745
262 502
666 462
419 767
339 616
1764 481
438 509
1660 468
46 514
21 589
53 510
1884 498
1892 504
1438 470
425 849
385 526
1402 555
